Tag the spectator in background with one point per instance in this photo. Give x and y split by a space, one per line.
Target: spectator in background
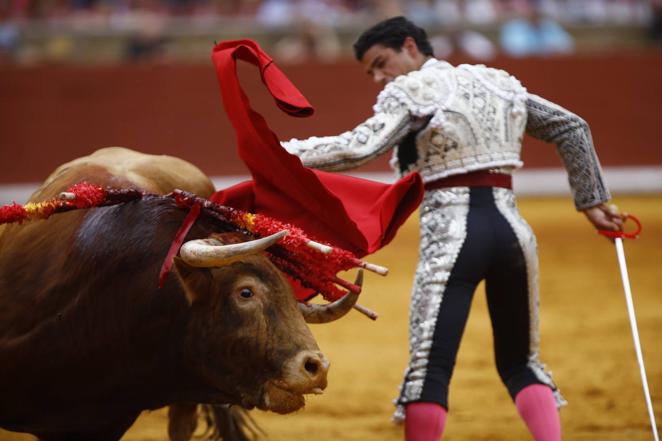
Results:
145 46
655 28
9 35
146 22
606 11
308 25
534 33
466 42
457 19
308 29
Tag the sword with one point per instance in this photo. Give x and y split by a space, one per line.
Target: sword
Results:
620 253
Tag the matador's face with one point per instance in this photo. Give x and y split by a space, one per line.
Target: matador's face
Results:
383 64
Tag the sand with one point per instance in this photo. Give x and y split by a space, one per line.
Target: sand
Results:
585 341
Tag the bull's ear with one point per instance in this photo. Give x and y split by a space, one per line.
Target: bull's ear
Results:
196 282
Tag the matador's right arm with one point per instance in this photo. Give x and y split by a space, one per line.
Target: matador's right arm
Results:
386 128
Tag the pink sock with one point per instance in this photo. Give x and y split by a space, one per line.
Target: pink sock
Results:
537 407
424 421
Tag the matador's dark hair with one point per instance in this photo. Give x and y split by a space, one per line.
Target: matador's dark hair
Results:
392 33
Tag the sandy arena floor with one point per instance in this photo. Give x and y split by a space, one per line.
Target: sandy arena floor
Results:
585 341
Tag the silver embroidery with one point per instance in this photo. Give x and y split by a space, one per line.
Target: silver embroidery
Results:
443 231
351 149
479 117
552 123
505 202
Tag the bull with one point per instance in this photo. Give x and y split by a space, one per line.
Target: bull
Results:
88 340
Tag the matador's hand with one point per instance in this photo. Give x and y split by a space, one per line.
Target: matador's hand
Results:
605 217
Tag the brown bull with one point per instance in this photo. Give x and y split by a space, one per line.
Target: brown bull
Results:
88 340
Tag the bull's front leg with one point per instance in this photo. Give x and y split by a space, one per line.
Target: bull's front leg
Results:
182 421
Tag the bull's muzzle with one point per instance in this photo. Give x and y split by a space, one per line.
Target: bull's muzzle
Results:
313 366
305 373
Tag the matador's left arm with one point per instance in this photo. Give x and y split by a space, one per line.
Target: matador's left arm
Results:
550 122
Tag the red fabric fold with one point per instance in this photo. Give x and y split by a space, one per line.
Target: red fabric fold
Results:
177 242
356 214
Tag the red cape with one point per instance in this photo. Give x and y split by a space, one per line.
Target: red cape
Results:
356 214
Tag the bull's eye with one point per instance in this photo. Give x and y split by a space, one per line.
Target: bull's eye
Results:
246 293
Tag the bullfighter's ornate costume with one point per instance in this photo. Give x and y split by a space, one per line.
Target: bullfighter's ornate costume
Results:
461 128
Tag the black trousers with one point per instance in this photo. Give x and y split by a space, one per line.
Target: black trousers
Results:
493 247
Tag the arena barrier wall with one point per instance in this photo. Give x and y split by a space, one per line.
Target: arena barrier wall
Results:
51 114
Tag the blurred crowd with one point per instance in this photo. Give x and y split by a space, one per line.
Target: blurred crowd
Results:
284 12
302 29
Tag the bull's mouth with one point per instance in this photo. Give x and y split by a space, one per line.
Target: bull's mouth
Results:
277 397
274 396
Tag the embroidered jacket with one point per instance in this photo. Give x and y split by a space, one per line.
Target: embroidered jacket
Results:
444 120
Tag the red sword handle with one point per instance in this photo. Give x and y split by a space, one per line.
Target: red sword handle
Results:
623 234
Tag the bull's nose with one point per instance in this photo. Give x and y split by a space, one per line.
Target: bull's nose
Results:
315 364
313 367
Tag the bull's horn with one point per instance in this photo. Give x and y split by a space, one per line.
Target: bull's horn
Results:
314 313
207 253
